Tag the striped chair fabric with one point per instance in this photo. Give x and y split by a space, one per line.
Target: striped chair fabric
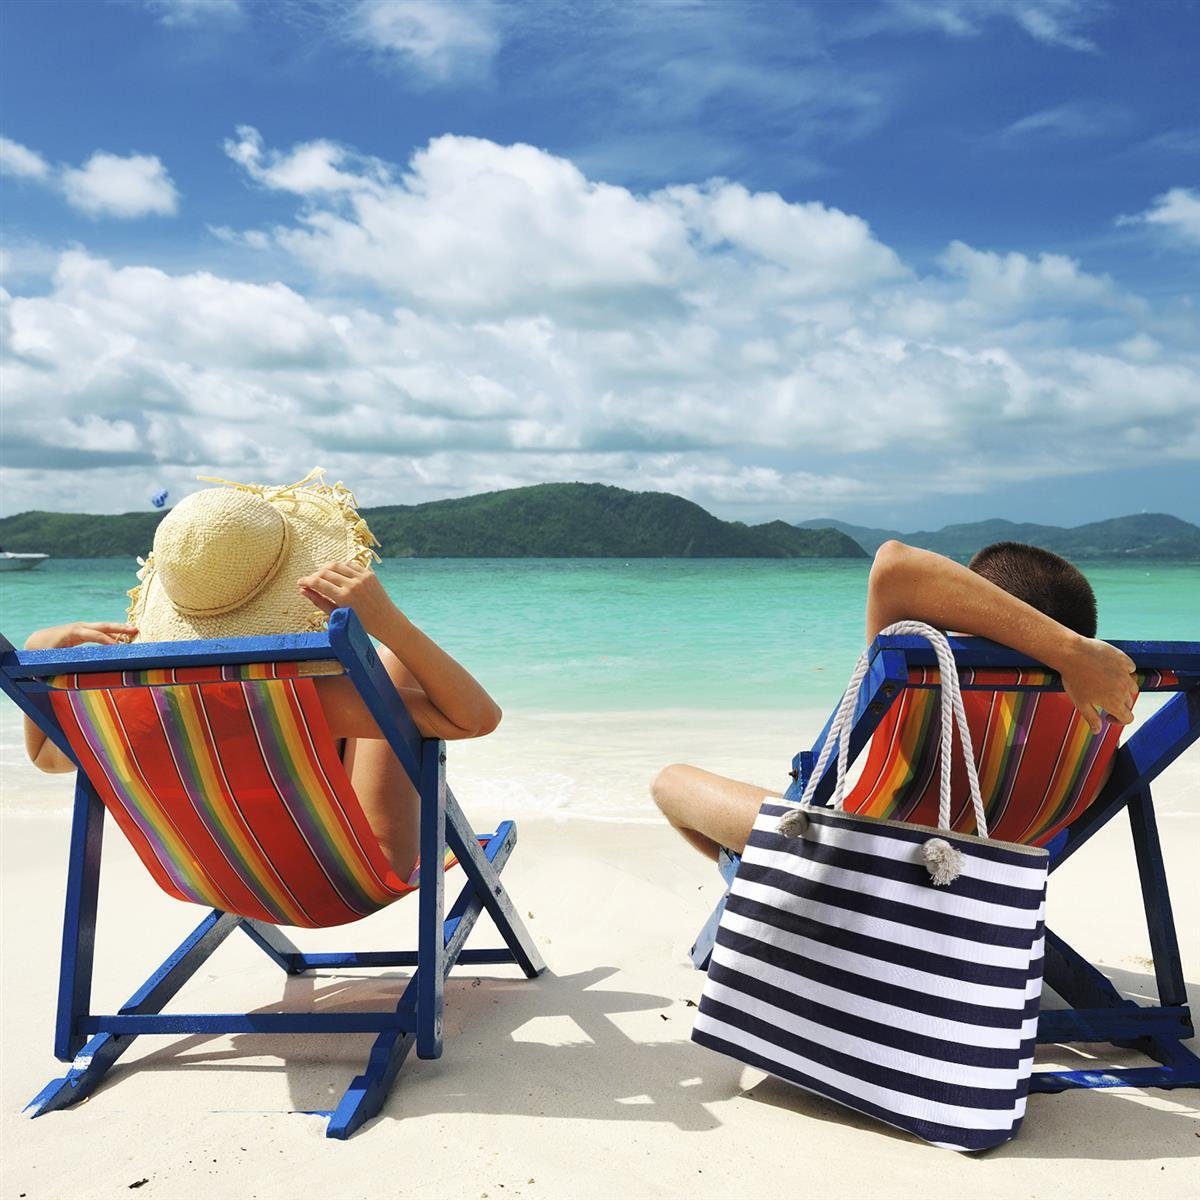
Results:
1039 764
227 783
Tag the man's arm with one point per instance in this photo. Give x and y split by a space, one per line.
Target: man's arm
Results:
918 585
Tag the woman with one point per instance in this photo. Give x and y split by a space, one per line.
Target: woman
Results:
242 560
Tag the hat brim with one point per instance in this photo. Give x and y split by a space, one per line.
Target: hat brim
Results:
323 529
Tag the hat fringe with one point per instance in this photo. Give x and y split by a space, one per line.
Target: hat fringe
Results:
313 484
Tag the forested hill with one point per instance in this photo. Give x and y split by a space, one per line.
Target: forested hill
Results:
548 520
1143 535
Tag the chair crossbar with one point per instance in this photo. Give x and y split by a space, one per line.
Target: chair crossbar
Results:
1113 1024
390 958
331 1022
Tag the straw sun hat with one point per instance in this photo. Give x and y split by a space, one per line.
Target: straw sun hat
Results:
226 559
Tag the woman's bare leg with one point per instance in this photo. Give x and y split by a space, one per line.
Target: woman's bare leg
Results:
388 799
709 810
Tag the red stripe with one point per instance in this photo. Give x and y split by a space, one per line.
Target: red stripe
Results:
151 755
265 812
99 780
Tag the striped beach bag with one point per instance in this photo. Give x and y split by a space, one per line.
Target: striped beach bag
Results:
894 968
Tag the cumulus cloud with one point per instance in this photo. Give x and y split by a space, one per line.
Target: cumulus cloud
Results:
518 321
1176 213
437 42
21 162
477 227
311 168
107 185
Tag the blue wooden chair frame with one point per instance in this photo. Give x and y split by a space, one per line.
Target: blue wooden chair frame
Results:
1098 1012
93 1042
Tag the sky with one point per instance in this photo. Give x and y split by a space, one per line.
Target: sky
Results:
902 262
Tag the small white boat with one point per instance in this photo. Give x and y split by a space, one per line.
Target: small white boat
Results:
10 561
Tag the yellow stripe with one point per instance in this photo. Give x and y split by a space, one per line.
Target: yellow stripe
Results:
314 786
194 730
120 761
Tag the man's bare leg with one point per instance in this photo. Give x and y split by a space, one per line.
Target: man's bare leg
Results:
709 810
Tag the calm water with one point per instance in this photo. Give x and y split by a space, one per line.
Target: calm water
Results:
607 635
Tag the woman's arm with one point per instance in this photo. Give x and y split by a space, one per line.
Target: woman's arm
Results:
445 700
43 753
918 585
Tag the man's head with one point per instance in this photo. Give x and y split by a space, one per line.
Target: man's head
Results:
1042 579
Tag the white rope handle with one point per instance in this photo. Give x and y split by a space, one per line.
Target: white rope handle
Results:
951 711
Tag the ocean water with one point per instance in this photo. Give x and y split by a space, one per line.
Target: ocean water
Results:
607 669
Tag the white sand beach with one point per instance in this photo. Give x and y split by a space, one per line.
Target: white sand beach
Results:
582 1083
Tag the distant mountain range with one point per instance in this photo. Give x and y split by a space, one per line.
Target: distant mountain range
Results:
593 520
548 520
1144 535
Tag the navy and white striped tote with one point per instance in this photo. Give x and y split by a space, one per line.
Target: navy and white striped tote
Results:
894 968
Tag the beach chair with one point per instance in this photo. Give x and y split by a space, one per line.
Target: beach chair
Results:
215 761
1047 781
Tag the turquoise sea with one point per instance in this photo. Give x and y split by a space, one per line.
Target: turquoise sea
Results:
606 635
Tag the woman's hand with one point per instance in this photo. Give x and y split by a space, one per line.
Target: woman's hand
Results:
347 585
77 633
1097 676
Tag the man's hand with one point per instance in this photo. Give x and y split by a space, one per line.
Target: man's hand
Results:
1097 676
58 637
347 585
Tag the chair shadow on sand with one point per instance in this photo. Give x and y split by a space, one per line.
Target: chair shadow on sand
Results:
597 1072
1100 1123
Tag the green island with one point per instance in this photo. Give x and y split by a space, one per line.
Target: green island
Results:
592 520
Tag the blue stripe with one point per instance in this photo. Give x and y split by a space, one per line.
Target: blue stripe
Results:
880 949
1030 857
889 910
999 1058
931 1131
809 849
869 988
919 1086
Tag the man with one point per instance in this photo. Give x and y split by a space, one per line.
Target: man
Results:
1021 596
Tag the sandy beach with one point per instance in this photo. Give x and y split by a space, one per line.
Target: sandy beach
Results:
582 1083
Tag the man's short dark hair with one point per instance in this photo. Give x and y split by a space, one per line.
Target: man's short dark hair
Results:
1042 579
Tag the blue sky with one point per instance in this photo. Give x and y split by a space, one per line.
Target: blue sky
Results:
903 262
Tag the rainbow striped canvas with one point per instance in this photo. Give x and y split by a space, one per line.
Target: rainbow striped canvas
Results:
1039 764
230 788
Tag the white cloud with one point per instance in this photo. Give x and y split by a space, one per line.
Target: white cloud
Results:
437 41
518 322
22 162
482 228
109 185
190 13
1052 22
1075 119
310 168
1002 282
1176 213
